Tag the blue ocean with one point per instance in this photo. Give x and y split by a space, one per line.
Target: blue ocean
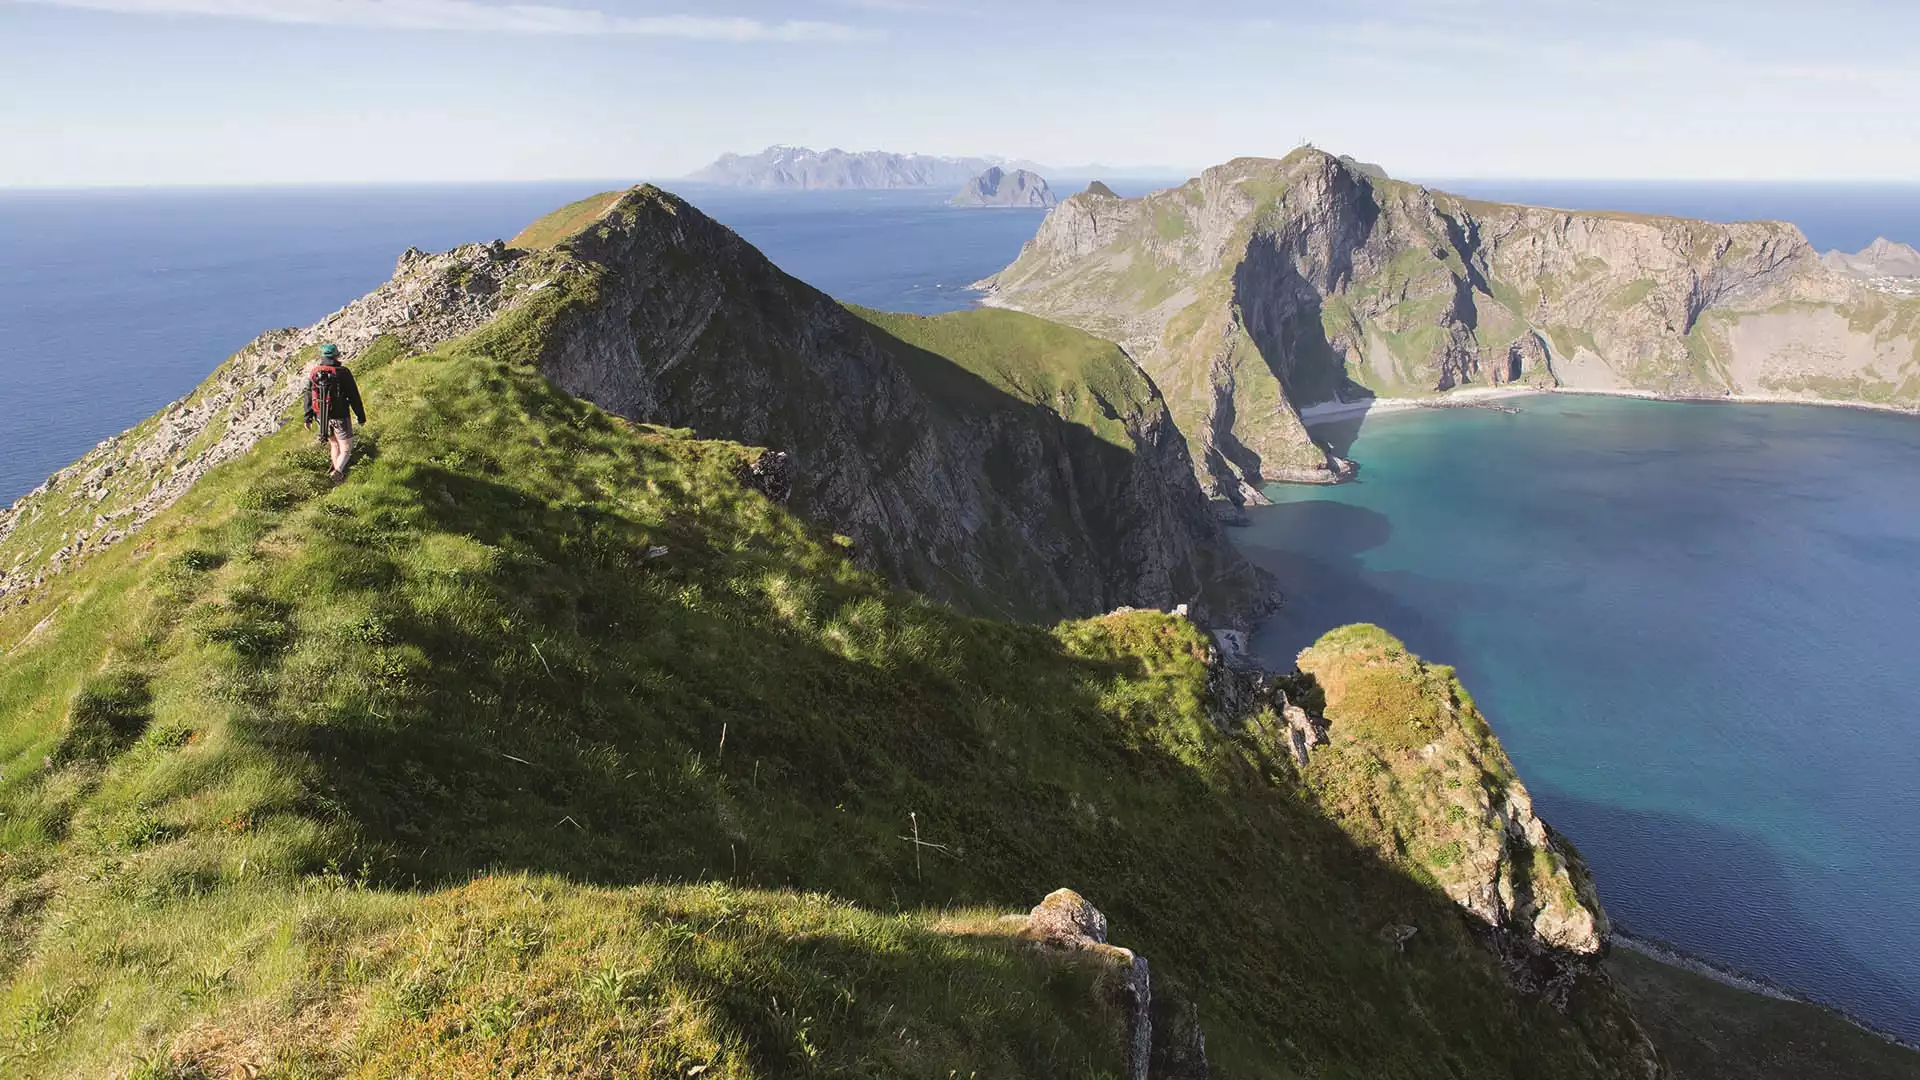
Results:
1694 628
1693 625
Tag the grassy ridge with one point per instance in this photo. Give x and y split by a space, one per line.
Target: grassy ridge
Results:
1086 380
528 638
565 222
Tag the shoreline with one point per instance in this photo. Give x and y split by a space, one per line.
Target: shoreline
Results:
1675 957
1333 411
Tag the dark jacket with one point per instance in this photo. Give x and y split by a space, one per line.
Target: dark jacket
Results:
346 396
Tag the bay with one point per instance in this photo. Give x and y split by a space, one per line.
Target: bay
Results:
1693 626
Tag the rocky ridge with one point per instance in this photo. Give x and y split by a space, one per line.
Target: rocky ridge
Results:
967 488
119 485
945 482
1881 259
1265 286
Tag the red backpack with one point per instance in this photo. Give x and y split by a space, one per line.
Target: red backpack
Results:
323 389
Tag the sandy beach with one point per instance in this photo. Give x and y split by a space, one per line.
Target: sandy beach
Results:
1330 411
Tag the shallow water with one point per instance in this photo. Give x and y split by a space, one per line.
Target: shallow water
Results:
1697 629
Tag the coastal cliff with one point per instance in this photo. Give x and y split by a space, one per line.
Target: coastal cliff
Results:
988 459
1263 287
560 740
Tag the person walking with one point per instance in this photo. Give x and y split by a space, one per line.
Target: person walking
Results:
331 396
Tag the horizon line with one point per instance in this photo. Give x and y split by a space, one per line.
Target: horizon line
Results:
1122 173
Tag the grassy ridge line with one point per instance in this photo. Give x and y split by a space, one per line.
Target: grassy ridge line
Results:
174 784
567 221
1084 379
466 661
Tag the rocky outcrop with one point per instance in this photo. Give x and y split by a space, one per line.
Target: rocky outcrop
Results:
1411 769
797 168
118 486
1263 286
999 187
1028 492
1065 921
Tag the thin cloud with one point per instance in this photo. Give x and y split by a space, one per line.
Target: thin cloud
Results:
474 17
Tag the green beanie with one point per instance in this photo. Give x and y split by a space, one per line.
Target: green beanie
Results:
329 352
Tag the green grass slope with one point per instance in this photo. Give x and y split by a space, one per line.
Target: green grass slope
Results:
543 746
1082 378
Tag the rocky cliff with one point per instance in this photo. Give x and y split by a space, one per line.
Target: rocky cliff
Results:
949 452
1266 286
986 458
801 169
410 775
1411 768
999 187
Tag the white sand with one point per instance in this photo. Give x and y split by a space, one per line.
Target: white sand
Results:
1329 411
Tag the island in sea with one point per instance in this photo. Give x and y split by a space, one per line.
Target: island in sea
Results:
998 187
797 168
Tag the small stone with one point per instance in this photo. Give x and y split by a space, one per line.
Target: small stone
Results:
1398 934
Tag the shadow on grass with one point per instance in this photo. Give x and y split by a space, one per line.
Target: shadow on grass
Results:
623 720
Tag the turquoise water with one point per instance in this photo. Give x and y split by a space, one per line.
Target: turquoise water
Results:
1697 629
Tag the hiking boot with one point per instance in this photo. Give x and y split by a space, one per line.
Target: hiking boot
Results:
336 475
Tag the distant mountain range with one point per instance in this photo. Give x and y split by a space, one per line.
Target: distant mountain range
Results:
800 168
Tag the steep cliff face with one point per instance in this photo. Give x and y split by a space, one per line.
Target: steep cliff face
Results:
989 459
986 458
1263 287
1413 771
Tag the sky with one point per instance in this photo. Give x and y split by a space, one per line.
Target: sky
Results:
146 92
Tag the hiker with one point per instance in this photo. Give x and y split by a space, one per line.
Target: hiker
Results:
331 394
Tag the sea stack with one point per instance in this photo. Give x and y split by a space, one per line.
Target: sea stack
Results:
997 187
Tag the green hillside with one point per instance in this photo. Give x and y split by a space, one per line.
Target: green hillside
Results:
546 743
550 745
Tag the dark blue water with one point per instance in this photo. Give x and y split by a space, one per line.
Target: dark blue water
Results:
1697 630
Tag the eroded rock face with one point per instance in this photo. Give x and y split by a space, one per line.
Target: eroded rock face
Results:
993 503
1411 769
1263 287
1066 920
